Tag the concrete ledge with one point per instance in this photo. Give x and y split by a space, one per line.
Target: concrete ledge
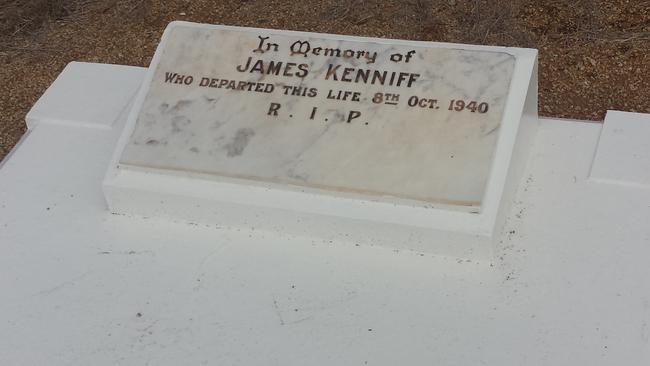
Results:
623 152
88 95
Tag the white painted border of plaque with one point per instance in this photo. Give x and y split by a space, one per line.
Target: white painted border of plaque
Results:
331 215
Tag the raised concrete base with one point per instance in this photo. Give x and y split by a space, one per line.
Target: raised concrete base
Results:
360 202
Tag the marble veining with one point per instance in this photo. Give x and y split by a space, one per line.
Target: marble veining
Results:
226 103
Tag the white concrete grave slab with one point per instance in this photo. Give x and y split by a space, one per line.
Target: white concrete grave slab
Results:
408 144
81 286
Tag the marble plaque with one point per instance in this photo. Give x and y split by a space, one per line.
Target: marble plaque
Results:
366 117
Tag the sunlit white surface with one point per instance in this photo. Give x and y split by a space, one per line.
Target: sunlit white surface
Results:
569 284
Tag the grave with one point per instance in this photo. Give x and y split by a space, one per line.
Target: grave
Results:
154 285
414 145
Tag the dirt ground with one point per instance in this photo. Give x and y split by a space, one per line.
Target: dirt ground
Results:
594 54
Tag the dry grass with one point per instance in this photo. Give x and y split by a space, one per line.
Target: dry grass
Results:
594 54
